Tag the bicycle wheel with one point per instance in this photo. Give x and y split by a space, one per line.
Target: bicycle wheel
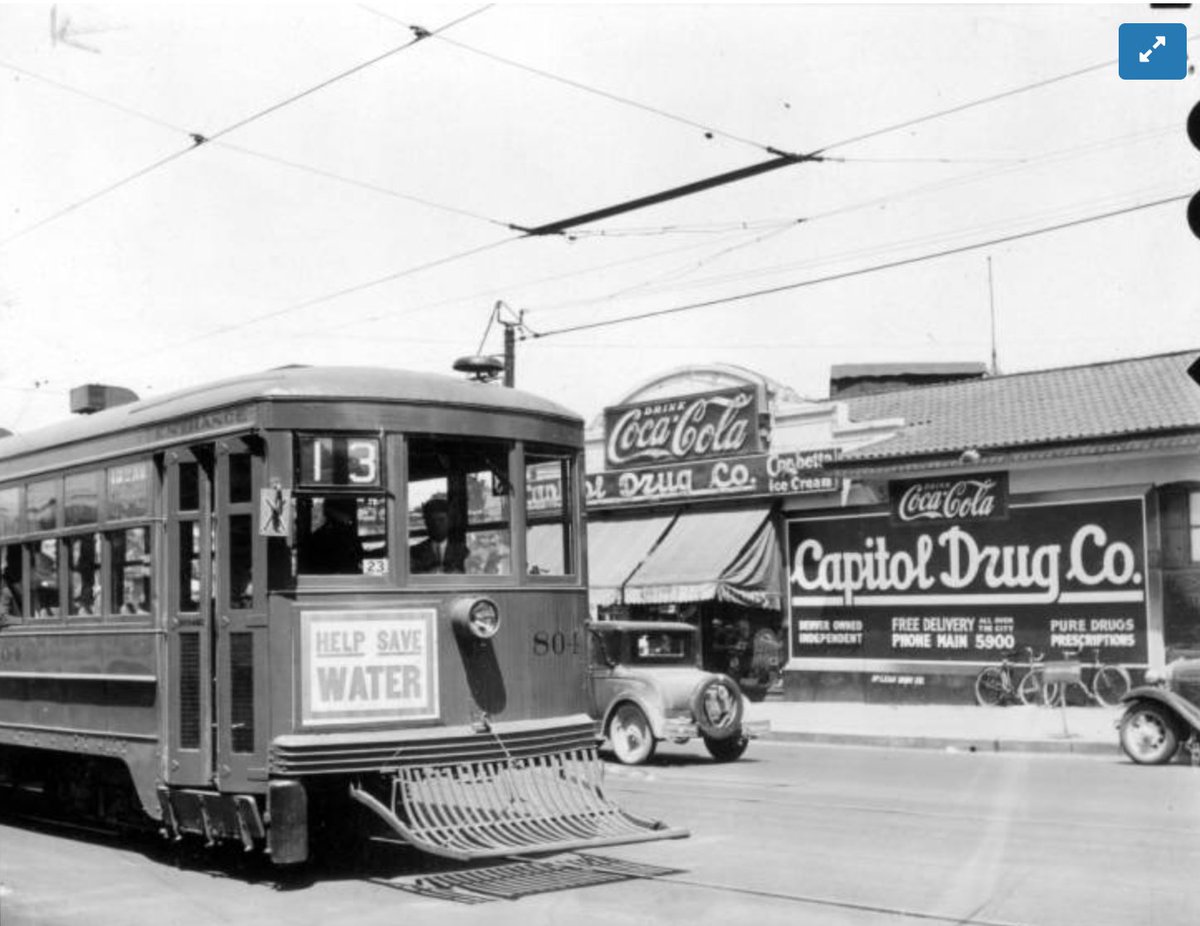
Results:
992 687
1032 691
1110 685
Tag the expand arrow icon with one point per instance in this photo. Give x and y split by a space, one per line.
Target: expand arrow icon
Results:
1144 57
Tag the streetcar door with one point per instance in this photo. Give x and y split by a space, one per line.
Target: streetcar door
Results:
240 617
188 591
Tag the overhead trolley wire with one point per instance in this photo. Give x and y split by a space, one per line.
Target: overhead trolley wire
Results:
768 165
199 139
318 300
861 271
785 159
579 85
284 162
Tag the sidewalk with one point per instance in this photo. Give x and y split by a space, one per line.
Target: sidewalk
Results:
969 728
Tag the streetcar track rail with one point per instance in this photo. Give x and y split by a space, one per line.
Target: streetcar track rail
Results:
520 878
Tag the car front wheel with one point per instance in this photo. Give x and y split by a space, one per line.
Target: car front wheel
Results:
727 750
630 735
1149 735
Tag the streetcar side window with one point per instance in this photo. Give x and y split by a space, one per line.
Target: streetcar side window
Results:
43 560
129 491
82 498
459 506
12 595
41 508
130 573
84 560
10 511
549 532
12 591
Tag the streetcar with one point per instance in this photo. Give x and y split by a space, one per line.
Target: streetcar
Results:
242 610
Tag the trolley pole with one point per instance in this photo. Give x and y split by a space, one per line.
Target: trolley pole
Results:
510 354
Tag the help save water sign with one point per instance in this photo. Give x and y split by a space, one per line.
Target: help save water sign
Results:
368 666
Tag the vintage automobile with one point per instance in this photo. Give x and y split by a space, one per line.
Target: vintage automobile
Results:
647 686
1163 715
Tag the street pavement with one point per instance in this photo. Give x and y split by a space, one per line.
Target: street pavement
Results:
967 727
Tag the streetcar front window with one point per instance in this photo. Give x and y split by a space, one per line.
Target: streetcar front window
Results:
342 535
459 506
549 533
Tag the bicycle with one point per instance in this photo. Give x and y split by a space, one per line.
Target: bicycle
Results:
1000 685
1106 685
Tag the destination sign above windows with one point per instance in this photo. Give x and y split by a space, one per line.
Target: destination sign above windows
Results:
339 460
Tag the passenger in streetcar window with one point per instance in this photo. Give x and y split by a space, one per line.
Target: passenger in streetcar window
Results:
44 556
10 595
437 552
334 547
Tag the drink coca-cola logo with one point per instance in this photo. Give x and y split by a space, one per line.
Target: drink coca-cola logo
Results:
710 425
978 497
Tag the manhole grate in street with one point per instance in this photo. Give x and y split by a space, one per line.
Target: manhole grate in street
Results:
517 879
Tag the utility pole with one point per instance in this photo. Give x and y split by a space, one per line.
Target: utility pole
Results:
992 308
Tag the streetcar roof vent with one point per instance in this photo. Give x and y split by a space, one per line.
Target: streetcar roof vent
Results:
94 397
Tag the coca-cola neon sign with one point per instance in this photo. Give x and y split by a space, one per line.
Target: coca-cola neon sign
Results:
714 424
978 497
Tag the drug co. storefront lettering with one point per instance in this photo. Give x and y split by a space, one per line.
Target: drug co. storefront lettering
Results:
1052 576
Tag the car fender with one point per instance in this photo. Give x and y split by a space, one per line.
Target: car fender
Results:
1181 707
651 707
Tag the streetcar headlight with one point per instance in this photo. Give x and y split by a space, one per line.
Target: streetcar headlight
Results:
478 616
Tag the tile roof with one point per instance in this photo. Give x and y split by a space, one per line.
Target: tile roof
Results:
1103 400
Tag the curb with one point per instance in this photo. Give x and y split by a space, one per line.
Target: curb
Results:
1065 746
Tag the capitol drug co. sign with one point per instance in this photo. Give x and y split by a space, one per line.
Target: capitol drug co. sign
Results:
711 424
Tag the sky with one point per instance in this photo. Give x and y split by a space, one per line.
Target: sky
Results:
356 195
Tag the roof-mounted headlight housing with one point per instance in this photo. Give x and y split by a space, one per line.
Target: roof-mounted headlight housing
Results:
479 617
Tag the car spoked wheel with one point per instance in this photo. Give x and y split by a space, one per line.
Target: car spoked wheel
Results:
717 707
630 735
1148 735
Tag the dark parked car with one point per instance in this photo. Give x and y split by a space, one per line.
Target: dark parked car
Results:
647 686
1163 715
